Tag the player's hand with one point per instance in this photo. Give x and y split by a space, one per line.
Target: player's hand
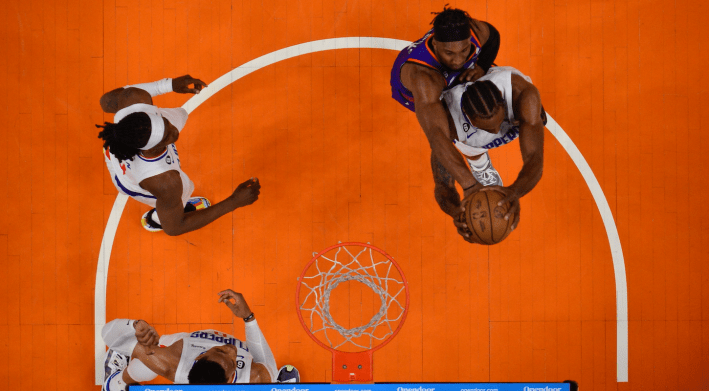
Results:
146 335
182 85
246 193
239 307
462 226
471 74
460 222
512 197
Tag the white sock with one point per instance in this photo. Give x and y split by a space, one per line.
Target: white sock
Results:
155 217
117 383
479 165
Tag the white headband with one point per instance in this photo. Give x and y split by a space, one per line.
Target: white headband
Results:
157 126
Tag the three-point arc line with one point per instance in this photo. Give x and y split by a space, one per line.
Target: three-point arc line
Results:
621 289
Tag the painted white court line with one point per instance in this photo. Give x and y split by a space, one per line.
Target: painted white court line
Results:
370 43
104 256
621 286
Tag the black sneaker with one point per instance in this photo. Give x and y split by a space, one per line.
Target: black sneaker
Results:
288 374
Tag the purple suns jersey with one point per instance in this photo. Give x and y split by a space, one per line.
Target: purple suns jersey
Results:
421 53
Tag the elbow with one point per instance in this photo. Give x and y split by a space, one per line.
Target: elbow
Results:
104 103
172 230
108 102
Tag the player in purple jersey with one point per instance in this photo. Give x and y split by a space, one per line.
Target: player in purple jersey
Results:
458 49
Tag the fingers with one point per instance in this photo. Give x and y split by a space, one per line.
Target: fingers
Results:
185 81
226 296
146 334
509 198
226 292
469 74
199 84
251 181
510 212
148 337
462 227
516 222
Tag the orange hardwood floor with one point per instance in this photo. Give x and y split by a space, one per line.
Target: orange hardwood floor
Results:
339 160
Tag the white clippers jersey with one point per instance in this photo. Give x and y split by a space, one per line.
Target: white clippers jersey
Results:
471 140
199 342
127 175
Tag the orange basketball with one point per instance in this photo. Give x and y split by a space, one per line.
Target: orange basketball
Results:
485 219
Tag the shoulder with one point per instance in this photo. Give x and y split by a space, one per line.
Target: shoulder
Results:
526 100
259 374
165 185
423 82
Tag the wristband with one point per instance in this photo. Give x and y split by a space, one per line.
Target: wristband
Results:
160 87
470 187
248 318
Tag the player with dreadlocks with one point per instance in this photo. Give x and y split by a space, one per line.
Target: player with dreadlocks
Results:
496 109
143 163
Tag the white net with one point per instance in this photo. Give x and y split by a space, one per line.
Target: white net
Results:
360 264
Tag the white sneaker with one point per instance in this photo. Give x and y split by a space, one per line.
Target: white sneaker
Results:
288 374
148 223
488 176
114 363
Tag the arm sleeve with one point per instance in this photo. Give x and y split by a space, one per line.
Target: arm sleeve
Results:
259 348
155 88
488 52
119 335
140 372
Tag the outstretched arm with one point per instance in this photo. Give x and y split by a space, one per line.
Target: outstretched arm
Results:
426 86
255 340
119 98
527 108
531 139
167 188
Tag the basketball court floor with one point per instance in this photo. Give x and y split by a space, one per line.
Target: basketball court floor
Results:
606 280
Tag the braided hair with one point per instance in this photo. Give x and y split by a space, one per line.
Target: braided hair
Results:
451 19
125 138
481 99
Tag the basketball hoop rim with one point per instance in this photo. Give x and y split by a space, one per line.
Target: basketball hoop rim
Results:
372 247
